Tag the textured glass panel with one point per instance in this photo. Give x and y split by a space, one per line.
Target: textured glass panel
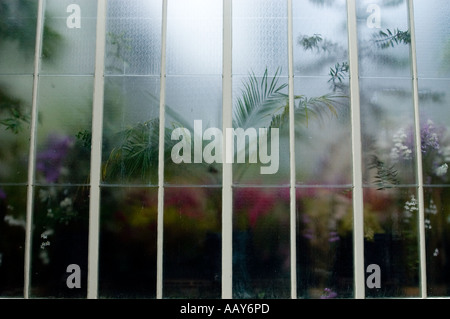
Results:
63 8
71 48
387 120
320 38
17 36
261 255
391 241
260 157
192 242
131 130
323 132
135 9
63 132
383 38
432 24
15 100
435 130
12 240
324 243
133 42
127 263
437 230
60 239
193 110
259 37
194 37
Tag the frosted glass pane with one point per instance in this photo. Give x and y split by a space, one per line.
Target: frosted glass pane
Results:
387 120
71 44
194 37
391 240
437 215
63 132
432 21
435 130
133 41
127 261
60 238
12 239
323 132
324 243
383 38
261 243
192 242
17 36
135 9
131 130
320 37
63 8
15 116
259 158
190 99
259 37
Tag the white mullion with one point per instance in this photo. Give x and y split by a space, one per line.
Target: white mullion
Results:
420 190
96 152
32 150
293 220
227 169
358 213
162 102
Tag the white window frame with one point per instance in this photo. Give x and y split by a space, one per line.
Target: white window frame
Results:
227 221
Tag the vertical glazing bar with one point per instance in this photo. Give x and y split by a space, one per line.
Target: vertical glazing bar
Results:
420 190
293 221
32 154
358 213
162 103
96 152
227 194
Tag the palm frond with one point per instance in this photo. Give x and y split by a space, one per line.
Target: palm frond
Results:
136 155
317 107
259 100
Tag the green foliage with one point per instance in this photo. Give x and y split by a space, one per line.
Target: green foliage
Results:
385 176
85 138
259 101
317 43
338 73
16 117
136 154
17 25
389 39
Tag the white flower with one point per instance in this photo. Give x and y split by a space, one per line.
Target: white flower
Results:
66 202
47 233
436 252
442 170
400 150
432 209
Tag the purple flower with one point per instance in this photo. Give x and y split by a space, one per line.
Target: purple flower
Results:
328 294
430 137
50 160
333 237
2 194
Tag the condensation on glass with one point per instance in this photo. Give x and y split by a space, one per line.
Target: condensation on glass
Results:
433 63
